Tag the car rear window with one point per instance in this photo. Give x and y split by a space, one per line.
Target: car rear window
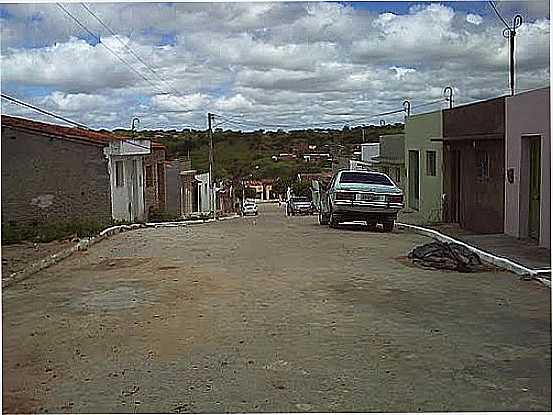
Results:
368 178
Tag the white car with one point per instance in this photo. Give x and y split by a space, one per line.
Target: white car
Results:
249 208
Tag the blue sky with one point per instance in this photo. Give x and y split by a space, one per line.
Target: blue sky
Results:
270 62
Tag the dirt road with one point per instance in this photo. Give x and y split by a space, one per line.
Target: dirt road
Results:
271 314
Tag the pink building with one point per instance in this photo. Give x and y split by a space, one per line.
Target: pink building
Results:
528 167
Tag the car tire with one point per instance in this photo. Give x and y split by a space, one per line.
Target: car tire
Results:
388 226
323 220
371 226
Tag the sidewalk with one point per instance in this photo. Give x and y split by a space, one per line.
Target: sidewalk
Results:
524 252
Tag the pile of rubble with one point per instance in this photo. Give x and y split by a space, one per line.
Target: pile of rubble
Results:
449 256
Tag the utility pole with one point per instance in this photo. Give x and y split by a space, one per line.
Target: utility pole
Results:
212 204
510 33
363 130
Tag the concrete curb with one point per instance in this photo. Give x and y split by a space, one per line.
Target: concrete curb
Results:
85 243
498 261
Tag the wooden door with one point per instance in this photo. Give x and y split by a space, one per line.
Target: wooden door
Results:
535 193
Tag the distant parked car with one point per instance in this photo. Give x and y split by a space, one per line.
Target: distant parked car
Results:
249 208
361 195
299 205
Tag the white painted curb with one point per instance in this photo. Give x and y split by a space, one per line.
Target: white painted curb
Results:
498 261
85 243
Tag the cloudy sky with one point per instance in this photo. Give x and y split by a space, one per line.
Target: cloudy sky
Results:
316 64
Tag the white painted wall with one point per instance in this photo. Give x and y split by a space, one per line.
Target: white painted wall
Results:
369 150
203 192
129 147
360 165
127 201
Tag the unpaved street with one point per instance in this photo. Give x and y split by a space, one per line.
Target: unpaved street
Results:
271 314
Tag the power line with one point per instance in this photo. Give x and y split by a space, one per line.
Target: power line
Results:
128 48
82 26
246 123
429 103
499 15
59 117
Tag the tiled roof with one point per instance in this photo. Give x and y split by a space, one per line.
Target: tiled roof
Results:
73 133
101 138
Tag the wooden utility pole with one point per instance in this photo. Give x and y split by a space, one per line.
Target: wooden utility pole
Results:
212 204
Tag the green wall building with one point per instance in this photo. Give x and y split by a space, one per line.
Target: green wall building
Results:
423 165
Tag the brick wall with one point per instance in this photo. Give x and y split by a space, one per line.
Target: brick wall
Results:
51 181
154 181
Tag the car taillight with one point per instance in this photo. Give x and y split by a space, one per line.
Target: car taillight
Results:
395 198
345 196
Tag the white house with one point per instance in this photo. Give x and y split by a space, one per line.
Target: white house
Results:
204 205
125 164
369 151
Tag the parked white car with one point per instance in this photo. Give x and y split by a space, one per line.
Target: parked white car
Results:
361 195
249 208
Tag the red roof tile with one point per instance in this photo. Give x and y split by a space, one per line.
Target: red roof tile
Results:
74 133
102 138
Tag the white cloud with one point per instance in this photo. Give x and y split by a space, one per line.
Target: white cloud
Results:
235 103
179 103
474 19
286 62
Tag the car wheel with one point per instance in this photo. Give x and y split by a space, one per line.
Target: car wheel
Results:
371 226
323 220
388 226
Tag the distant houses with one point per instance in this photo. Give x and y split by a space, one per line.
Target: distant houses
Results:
55 176
391 158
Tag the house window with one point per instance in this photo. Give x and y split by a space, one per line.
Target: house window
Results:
149 176
119 174
430 163
483 161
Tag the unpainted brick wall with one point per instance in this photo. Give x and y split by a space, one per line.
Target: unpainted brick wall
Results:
48 180
154 195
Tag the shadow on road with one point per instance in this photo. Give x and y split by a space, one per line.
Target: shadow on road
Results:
355 227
